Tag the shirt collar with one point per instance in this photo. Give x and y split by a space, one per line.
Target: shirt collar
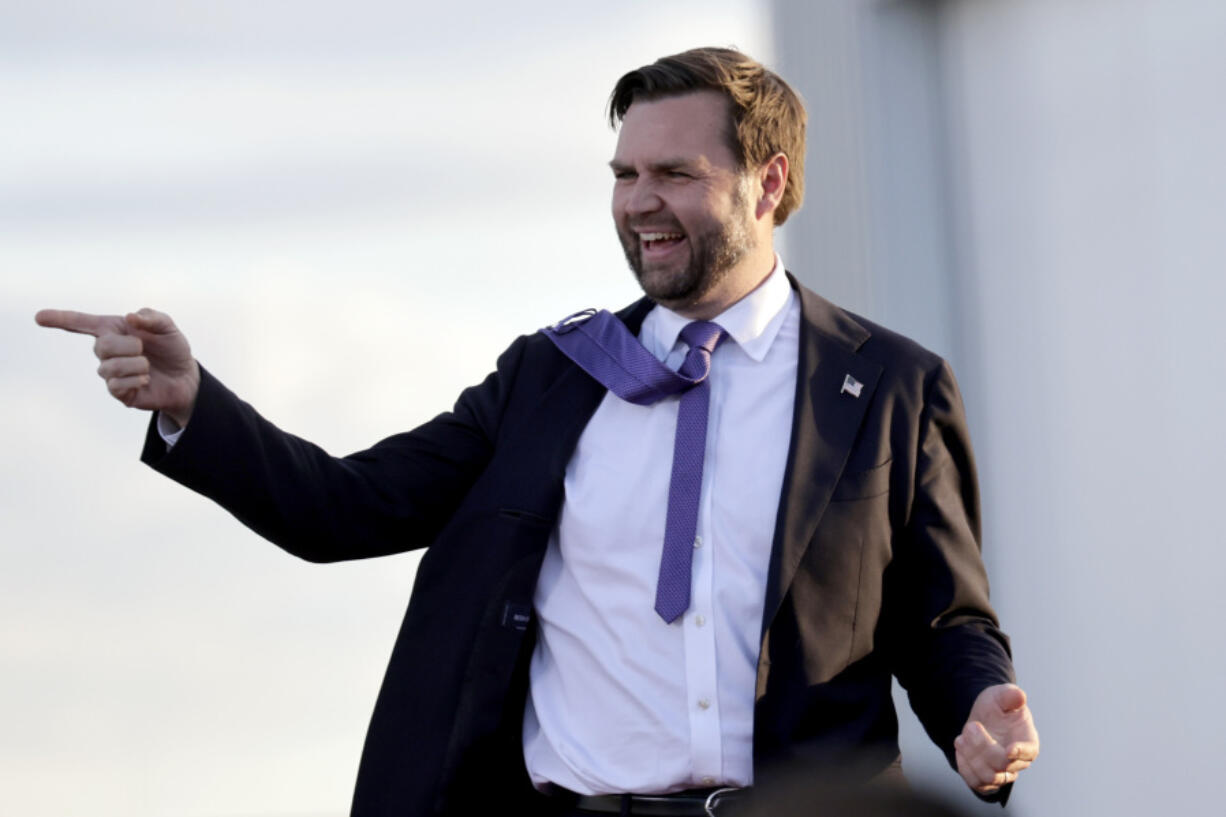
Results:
753 322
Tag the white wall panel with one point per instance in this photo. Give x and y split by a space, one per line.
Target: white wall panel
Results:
1081 185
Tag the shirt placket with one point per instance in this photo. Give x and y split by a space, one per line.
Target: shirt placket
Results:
700 659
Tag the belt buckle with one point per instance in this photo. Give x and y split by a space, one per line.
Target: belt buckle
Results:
714 797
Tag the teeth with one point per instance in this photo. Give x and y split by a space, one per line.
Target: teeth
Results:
659 236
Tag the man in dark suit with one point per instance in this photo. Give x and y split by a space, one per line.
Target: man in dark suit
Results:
833 513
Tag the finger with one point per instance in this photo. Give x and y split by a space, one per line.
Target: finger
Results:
1001 779
981 780
81 322
1022 750
968 750
976 736
150 320
123 367
984 774
1016 766
128 398
112 345
125 388
979 746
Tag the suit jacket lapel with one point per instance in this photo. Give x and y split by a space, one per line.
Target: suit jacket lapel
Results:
825 423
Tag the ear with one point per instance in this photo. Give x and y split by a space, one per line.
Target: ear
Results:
772 181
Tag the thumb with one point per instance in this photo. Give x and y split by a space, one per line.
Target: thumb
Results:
1010 697
150 320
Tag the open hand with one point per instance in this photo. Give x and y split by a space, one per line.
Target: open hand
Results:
998 741
146 361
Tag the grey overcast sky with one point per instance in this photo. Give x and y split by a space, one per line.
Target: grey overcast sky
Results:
350 208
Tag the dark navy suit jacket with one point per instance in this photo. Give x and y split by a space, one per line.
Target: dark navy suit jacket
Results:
875 568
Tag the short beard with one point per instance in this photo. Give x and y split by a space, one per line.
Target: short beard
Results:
713 253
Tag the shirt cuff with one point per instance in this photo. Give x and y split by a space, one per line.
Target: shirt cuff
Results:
168 430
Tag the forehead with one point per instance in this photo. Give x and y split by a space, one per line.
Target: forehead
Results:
690 126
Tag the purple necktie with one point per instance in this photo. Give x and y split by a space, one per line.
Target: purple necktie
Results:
603 347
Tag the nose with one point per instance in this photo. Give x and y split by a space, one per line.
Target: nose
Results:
642 198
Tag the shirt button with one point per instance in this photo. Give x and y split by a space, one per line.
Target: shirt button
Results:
704 703
697 541
699 621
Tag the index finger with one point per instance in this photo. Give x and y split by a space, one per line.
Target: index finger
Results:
81 322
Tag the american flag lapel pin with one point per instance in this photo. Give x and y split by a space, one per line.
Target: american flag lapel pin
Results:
851 386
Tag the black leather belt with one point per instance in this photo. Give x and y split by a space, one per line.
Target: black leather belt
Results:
692 803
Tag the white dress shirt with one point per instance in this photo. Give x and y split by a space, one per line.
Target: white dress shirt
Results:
620 701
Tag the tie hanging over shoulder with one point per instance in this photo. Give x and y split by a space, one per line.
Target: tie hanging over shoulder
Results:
600 344
604 348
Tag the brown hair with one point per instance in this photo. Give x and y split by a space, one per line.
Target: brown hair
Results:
768 117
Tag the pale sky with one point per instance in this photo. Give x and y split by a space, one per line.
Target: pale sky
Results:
350 209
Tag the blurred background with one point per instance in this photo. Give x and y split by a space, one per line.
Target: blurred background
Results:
351 208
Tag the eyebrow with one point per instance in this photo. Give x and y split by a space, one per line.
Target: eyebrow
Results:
664 165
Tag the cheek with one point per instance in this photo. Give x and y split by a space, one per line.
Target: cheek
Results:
618 206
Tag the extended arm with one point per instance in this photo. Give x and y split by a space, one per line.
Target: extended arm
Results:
391 497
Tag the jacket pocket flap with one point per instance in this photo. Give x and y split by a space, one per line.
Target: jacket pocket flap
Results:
870 482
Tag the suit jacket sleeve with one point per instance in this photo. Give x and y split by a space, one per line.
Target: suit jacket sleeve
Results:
947 643
394 496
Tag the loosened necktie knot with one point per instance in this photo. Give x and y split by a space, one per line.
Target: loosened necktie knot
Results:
702 337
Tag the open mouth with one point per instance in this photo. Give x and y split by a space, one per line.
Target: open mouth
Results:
655 242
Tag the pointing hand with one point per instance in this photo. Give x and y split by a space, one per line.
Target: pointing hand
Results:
146 361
